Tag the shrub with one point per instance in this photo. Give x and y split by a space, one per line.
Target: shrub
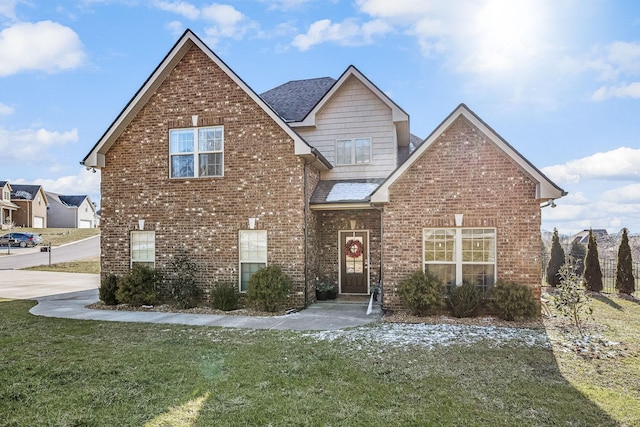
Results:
556 260
625 282
225 296
139 286
269 288
181 284
108 289
513 301
464 301
592 276
421 292
570 300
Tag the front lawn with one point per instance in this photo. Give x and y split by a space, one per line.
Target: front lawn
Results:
67 372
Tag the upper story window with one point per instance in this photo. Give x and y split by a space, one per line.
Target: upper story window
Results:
353 151
196 152
6 195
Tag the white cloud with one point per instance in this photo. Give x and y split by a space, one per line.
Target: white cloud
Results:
5 110
222 20
175 27
627 194
179 7
619 164
226 20
51 47
27 144
285 4
346 33
631 90
505 48
8 8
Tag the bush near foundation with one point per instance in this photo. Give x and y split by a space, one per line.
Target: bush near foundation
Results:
465 300
513 301
180 282
421 292
139 286
269 288
225 296
108 289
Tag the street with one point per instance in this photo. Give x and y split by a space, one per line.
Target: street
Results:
31 257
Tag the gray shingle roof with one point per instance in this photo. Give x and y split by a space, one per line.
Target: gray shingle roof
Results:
295 99
26 192
72 201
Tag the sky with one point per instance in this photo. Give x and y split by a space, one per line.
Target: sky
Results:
558 79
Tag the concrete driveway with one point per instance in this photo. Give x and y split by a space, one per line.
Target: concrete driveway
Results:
24 284
66 295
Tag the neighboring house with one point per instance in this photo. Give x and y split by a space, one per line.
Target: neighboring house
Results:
321 177
583 236
70 211
7 208
32 204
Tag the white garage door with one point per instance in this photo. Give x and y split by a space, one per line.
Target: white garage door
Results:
84 223
38 222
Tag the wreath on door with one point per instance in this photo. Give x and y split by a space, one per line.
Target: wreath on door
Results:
353 248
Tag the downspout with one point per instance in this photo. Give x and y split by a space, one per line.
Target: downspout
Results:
381 293
306 234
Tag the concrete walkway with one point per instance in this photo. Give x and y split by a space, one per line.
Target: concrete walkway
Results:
66 295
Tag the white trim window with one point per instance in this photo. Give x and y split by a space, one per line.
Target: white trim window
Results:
196 152
143 248
355 151
457 255
252 249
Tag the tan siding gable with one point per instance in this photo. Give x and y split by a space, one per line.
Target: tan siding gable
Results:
355 112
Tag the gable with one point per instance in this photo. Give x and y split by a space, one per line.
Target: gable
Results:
545 189
96 157
399 117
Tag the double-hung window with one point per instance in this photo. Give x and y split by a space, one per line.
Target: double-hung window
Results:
253 254
196 152
143 248
353 151
457 255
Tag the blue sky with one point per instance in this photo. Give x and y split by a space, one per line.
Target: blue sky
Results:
558 79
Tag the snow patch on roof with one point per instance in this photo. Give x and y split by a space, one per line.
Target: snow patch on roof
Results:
351 191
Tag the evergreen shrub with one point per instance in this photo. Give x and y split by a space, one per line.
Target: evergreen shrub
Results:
513 301
625 282
180 282
139 286
269 288
225 296
108 289
465 300
421 292
592 276
556 260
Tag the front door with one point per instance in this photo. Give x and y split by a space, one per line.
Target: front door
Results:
354 264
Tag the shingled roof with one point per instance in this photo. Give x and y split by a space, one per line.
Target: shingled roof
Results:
295 99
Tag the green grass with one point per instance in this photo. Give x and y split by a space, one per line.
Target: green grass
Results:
86 373
90 266
60 236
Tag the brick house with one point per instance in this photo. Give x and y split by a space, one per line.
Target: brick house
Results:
321 177
32 205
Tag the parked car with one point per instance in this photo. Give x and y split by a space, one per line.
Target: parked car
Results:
20 239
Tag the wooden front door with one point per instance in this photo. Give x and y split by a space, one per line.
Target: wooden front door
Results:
354 264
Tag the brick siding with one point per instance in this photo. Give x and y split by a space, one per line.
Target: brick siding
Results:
262 179
462 172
